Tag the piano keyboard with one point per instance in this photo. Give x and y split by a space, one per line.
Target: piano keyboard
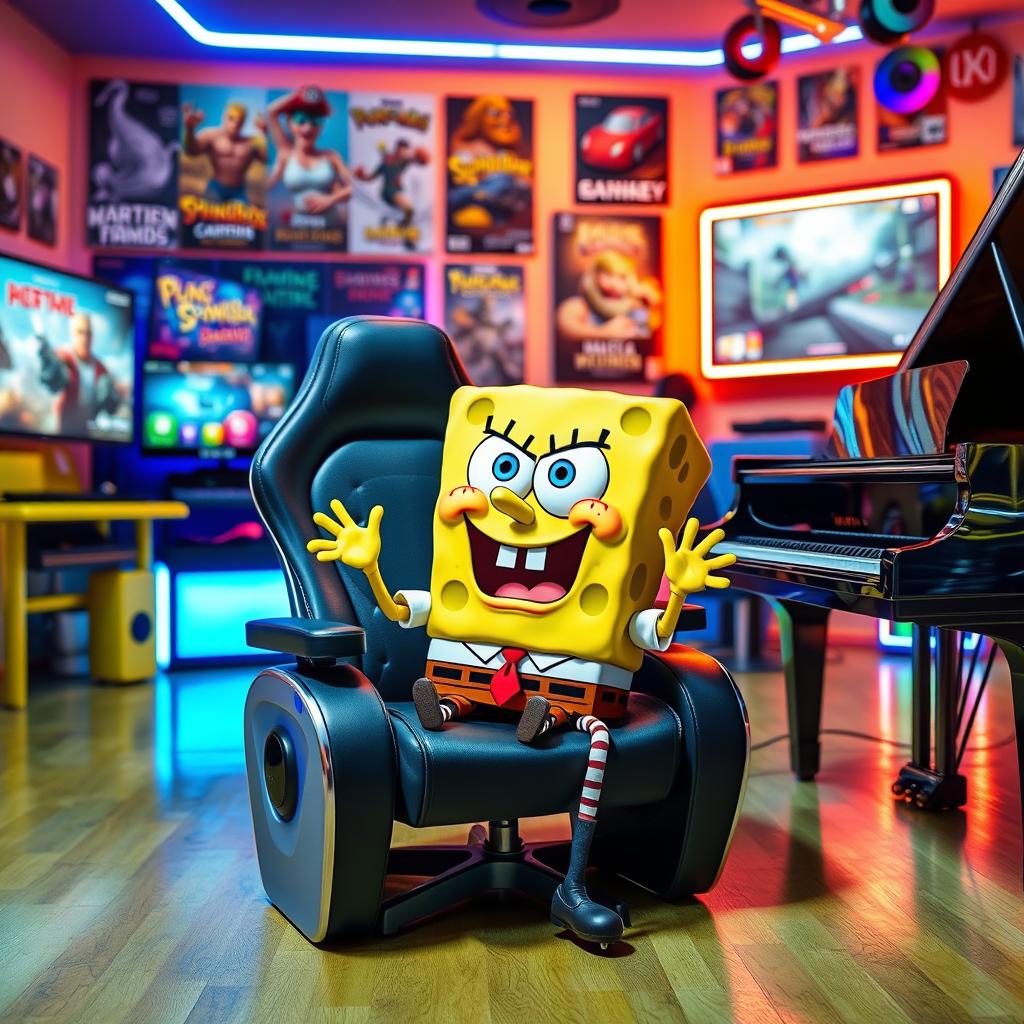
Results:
848 558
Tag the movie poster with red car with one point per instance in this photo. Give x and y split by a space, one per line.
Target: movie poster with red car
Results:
309 185
609 297
222 167
747 122
485 316
489 174
622 149
393 154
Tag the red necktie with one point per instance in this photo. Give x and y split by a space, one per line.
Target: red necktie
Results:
505 682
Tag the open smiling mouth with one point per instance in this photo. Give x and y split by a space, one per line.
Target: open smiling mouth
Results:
542 575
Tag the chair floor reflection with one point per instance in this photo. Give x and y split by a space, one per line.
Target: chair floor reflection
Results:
129 888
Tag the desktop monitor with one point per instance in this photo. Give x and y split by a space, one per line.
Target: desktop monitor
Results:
213 410
839 280
67 355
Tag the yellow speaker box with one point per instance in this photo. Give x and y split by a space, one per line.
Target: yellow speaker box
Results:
122 644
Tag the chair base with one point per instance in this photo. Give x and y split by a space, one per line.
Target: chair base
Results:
494 859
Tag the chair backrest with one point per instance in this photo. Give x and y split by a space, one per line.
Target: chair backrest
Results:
367 426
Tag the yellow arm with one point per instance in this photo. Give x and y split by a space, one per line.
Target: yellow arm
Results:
359 548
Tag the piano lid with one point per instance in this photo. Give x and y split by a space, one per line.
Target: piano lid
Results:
979 317
903 414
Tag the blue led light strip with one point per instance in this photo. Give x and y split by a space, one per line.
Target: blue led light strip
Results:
453 50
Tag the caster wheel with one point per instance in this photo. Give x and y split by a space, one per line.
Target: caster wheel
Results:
477 835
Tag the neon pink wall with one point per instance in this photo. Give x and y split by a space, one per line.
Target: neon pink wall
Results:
35 114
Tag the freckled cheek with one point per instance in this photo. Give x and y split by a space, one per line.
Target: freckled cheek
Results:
605 520
460 501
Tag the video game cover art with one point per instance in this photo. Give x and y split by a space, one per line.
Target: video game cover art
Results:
134 139
928 126
827 114
67 355
746 117
12 186
622 149
309 186
222 167
490 174
608 296
485 316
43 200
375 289
393 147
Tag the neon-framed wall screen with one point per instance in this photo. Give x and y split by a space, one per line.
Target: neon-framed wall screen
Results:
830 281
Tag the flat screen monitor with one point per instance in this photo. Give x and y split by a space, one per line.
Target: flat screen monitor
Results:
835 281
199 316
213 410
67 355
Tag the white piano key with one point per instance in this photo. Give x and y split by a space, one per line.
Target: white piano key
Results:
790 557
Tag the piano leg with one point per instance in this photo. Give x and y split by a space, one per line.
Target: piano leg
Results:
803 630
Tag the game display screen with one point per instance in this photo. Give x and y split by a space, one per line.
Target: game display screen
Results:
67 355
837 281
215 410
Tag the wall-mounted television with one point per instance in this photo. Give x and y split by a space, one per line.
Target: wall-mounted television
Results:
833 281
213 410
67 355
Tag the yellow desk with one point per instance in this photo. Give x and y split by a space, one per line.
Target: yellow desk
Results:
14 518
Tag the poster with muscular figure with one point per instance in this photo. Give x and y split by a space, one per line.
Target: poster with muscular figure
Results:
608 296
309 185
222 168
392 143
134 138
490 173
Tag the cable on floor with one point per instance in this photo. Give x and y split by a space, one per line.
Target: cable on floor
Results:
884 740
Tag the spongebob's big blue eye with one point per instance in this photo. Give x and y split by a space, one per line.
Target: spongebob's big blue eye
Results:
497 462
573 474
562 473
506 466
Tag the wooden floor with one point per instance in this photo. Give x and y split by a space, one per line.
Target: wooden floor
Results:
129 888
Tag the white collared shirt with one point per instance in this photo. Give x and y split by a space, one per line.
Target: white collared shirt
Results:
642 631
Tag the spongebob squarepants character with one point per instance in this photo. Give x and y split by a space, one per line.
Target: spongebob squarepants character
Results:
557 518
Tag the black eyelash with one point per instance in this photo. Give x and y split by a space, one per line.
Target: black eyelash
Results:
601 442
506 434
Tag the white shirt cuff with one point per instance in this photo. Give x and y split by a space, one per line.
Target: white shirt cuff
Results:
419 607
643 631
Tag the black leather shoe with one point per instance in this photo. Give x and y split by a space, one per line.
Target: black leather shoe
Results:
428 705
533 718
589 920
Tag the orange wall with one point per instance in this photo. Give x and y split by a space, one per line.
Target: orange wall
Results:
35 115
980 139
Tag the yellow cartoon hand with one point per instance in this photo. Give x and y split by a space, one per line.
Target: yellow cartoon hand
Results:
356 546
689 568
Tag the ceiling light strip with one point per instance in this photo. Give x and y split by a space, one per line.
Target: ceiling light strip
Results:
451 49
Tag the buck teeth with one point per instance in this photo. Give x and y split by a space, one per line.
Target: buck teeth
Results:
506 557
535 558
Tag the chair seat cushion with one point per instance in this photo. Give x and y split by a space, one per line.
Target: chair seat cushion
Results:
477 769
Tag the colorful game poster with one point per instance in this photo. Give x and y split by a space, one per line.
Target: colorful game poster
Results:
309 186
827 115
393 151
746 117
485 316
490 174
67 355
608 296
203 316
43 200
12 186
1018 100
222 167
928 126
375 289
134 138
621 149
291 294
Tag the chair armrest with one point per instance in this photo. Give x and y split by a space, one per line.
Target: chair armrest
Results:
313 640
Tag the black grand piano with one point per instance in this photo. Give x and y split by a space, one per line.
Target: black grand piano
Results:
915 514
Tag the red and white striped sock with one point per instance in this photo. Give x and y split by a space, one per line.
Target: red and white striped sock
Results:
594 780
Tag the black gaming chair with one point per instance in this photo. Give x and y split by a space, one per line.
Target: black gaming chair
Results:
334 750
